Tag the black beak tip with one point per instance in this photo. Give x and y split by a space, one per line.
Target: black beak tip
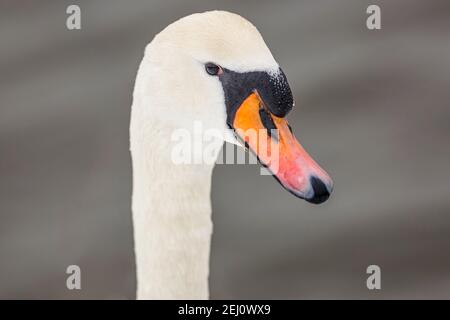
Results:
321 193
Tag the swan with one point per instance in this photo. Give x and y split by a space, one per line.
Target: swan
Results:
215 68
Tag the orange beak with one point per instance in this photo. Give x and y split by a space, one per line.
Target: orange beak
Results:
271 139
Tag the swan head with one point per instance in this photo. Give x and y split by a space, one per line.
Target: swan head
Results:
215 68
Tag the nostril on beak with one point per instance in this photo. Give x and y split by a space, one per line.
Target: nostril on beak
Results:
321 193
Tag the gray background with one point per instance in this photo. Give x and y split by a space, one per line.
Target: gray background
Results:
372 108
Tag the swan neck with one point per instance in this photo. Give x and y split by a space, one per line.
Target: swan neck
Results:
172 227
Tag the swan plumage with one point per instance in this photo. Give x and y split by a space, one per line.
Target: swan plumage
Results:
171 202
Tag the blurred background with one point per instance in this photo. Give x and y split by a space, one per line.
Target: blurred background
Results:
373 107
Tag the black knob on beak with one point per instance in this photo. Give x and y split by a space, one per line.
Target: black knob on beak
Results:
321 193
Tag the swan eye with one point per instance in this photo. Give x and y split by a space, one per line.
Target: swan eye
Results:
213 69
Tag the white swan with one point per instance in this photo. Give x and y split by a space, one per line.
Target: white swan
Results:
212 67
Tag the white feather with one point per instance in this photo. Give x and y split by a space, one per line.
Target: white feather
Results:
171 203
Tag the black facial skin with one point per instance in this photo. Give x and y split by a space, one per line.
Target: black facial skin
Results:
268 123
273 89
